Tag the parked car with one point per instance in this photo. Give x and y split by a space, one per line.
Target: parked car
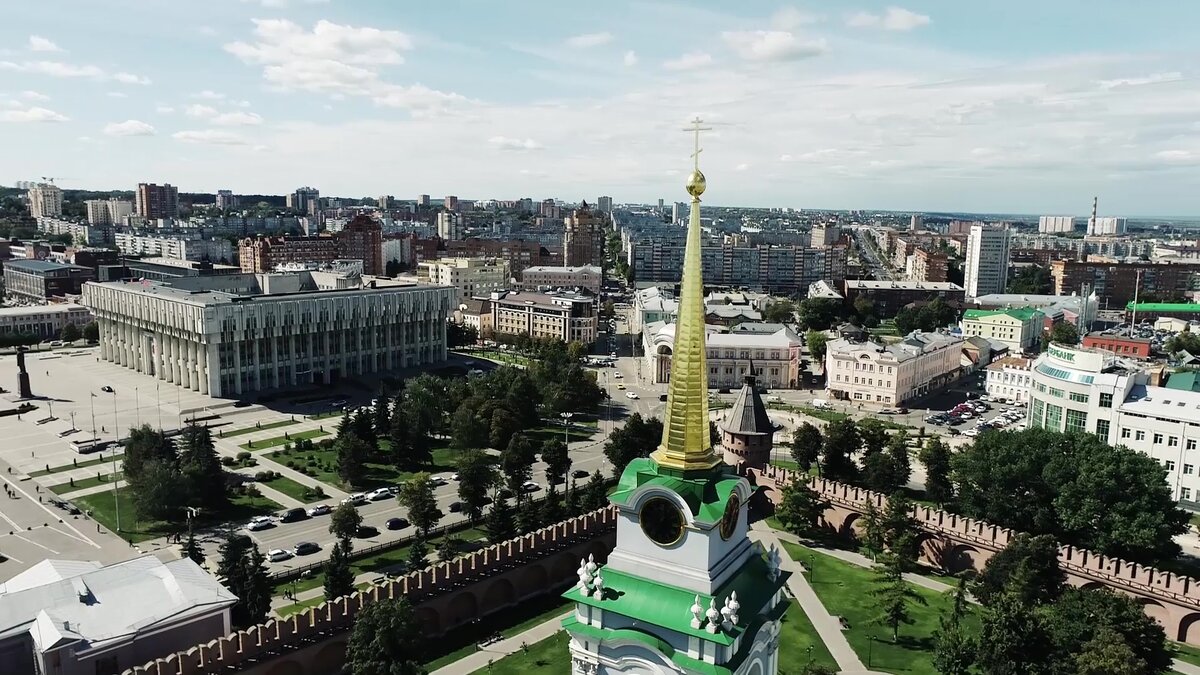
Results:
504 493
293 515
530 486
630 394
107 389
260 523
888 411
618 375
320 510
278 555
366 531
380 494
306 548
456 507
579 473
357 499
439 480
396 524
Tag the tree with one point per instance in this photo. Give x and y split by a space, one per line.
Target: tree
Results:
416 495
529 514
552 507
1079 615
344 523
447 548
516 462
637 438
806 446
897 449
873 435
800 508
386 640
191 549
339 578
894 594
714 434
252 586
595 495
352 455
936 458
382 416
231 552
401 442
69 333
1107 654
1064 333
1013 640
460 335
1027 568
873 538
841 442
201 467
1186 341
779 311
156 493
953 646
899 527
557 459
927 317
816 342
818 313
144 445
504 425
1032 280
418 553
879 472
501 522
476 476
91 332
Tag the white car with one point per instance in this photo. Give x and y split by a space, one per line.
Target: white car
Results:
380 494
971 433
320 510
260 523
618 375
630 394
278 555
356 499
439 480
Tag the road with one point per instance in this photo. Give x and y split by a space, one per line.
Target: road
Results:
872 255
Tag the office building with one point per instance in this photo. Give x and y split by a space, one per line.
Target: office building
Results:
583 237
891 296
40 280
1056 224
305 200
776 355
825 234
604 205
986 268
929 266
157 201
891 375
226 199
583 277
558 316
450 202
423 201
1009 378
450 225
470 277
230 335
1019 329
1121 345
775 269
44 321
73 617
45 201
1115 282
182 248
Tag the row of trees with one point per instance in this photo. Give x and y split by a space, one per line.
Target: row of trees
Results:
860 452
927 317
164 477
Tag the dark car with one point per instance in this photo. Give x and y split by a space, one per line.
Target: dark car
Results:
293 515
504 493
107 389
306 548
662 397
396 524
723 390
579 473
456 507
366 531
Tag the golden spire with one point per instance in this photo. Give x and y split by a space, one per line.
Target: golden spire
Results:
685 442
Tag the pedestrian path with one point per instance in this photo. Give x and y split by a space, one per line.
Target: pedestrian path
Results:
498 650
103 487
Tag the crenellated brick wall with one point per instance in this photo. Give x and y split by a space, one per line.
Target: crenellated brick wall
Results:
246 648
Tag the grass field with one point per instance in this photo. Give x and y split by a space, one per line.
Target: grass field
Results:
799 643
82 483
548 656
845 590
91 462
104 509
282 440
321 464
293 489
250 430
509 622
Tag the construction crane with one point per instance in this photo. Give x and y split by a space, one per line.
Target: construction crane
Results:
48 180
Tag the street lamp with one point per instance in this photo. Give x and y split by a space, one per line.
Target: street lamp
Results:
117 438
566 417
870 648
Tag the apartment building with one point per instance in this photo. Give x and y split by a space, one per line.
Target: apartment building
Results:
561 316
928 266
470 277
586 277
157 201
45 201
891 375
583 237
519 253
1114 282
1019 329
180 248
775 269
986 267
1009 378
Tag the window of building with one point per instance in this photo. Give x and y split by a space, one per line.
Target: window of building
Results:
1076 420
1158 439
1053 416
1173 442
1056 392
1039 412
1188 469
1125 432
1102 427
1079 398
1105 400
1139 435
1191 444
1185 493
1170 465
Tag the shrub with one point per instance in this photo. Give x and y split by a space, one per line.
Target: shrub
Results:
243 455
227 461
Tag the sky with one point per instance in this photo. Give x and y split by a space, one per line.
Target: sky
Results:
1014 106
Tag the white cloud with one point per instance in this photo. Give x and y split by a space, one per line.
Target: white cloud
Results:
790 18
893 18
1153 78
129 128
688 61
240 104
209 95
130 78
772 45
197 110
164 109
38 43
34 96
209 136
280 4
117 94
630 58
506 143
589 40
53 69
1177 156
207 31
741 167
236 119
785 158
34 114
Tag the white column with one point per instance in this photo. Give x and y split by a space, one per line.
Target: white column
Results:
174 342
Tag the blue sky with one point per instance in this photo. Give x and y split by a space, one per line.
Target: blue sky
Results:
976 106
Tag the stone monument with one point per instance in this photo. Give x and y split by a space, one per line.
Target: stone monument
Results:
23 375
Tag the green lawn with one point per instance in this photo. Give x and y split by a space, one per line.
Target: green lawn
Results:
512 621
293 489
845 590
264 427
81 483
282 440
1184 652
321 464
80 465
103 508
799 643
548 656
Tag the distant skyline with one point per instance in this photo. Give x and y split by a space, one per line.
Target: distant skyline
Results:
1015 107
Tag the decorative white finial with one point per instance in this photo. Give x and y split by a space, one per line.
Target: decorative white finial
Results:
585 577
591 564
733 606
773 562
598 585
726 624
697 612
713 616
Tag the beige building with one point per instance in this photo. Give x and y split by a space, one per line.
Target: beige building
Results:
1009 378
45 201
920 364
476 313
1019 329
562 316
587 277
470 277
776 355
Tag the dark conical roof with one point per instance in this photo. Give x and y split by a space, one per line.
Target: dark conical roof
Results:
748 414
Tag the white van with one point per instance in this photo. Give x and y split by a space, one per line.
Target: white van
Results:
821 404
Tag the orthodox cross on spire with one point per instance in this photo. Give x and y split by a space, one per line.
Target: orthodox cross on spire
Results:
696 129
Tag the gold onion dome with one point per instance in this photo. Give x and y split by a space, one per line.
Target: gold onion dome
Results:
696 183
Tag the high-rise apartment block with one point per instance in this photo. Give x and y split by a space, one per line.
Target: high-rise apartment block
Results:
449 225
928 265
825 234
548 208
1115 282
915 222
1056 224
583 237
45 201
157 201
782 269
450 202
423 201
361 239
986 267
305 200
226 199
604 204
108 211
1106 226
384 201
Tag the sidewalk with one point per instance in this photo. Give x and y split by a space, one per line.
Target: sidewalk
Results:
103 487
498 650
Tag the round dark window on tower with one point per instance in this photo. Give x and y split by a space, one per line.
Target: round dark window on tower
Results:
729 519
662 521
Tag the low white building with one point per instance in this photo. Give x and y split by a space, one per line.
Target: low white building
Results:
776 355
869 372
545 277
652 305
44 321
1009 379
1076 309
179 248
1019 329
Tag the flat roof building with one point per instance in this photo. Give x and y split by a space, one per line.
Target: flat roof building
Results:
470 277
586 277
891 296
1018 328
868 372
559 316
39 280
44 321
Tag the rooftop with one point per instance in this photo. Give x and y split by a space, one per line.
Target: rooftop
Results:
748 414
864 284
43 309
1010 362
565 269
1018 313
41 265
1158 307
